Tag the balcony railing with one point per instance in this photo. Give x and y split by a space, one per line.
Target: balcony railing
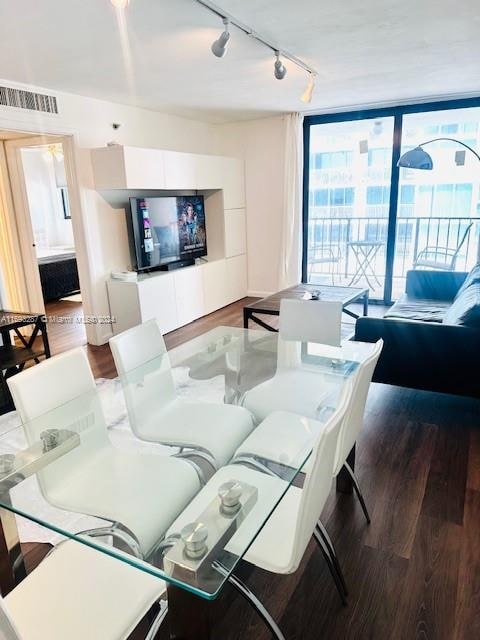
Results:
334 256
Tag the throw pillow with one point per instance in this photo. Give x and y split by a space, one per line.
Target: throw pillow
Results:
472 278
465 309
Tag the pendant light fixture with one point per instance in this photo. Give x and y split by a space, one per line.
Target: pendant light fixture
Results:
120 4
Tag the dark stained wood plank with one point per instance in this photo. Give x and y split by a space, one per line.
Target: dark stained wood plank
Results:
426 608
467 616
473 477
400 489
65 326
446 484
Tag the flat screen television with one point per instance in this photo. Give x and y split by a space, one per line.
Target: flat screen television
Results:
165 230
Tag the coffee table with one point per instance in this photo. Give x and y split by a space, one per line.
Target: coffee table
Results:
271 304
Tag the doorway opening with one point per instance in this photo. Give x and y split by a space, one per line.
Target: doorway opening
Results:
42 258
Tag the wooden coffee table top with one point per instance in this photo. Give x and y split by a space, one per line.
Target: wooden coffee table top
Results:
346 295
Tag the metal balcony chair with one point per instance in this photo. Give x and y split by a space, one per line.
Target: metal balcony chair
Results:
442 258
324 254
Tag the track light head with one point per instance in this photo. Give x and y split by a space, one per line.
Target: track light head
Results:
307 94
280 70
219 47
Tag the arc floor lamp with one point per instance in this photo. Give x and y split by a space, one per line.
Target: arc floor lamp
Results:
418 158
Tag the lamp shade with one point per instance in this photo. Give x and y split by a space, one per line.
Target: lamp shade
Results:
416 158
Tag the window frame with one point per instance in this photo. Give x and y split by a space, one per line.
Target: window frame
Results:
397 112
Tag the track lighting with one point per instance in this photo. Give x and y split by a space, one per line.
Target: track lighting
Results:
280 70
120 4
307 94
219 47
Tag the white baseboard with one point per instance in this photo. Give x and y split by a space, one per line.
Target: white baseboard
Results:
102 335
259 294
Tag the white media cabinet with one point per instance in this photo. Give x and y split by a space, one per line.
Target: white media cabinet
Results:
178 297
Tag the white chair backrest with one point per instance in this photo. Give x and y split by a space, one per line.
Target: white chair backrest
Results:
354 418
311 321
143 365
60 393
7 627
318 480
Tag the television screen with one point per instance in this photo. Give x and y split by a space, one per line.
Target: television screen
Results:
167 229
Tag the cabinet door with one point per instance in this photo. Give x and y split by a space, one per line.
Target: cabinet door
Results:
180 170
124 305
158 300
233 183
189 293
209 172
214 277
235 235
144 168
236 278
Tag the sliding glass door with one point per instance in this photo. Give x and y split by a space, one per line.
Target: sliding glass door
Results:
348 202
438 210
367 222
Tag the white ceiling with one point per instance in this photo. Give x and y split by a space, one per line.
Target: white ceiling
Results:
366 52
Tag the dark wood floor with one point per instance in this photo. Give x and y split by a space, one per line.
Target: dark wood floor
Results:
414 573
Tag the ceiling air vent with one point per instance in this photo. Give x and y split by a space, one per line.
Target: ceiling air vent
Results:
27 100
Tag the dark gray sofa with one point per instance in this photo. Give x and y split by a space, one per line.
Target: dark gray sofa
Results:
427 343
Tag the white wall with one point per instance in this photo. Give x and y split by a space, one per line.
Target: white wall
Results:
50 228
262 145
90 121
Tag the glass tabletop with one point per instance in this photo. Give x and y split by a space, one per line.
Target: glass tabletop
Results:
111 468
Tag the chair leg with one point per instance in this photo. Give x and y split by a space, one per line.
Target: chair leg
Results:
331 567
257 605
157 623
333 554
356 487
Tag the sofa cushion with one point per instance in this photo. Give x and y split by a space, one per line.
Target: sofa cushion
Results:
472 278
434 285
465 309
408 308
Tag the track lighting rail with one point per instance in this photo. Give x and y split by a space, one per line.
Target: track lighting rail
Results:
221 13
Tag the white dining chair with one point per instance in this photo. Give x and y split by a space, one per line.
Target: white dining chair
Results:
293 388
134 491
281 544
157 414
277 442
77 593
313 320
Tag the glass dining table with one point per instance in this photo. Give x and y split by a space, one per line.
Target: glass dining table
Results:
79 472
